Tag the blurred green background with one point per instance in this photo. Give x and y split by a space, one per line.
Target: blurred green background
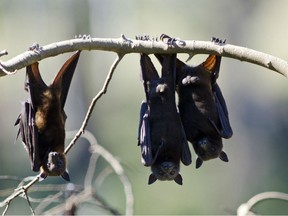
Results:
256 98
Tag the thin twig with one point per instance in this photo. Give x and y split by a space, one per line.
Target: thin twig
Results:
19 191
124 45
102 176
117 168
90 171
114 163
94 101
29 203
22 189
47 201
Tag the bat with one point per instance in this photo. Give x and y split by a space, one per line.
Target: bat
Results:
202 107
42 120
161 135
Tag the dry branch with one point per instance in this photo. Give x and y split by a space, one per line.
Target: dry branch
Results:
124 46
246 208
96 149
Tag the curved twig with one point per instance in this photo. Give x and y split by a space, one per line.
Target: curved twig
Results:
23 188
94 101
124 45
245 208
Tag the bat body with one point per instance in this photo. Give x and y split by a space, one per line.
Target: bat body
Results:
202 106
42 120
161 135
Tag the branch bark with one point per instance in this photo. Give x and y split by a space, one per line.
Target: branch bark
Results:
124 46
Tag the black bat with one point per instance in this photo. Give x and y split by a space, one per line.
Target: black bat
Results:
202 106
161 134
42 120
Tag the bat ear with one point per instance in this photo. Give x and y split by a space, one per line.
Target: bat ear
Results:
43 176
65 176
178 179
212 65
223 156
199 162
152 179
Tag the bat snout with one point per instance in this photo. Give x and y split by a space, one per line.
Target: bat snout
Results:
56 164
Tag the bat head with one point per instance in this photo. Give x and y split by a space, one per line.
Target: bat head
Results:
207 149
55 166
165 171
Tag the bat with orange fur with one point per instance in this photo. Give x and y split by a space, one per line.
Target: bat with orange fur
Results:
202 107
42 120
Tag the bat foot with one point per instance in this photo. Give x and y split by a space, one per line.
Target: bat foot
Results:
171 41
218 41
84 37
35 47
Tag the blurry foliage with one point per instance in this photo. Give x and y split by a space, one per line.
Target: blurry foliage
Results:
256 97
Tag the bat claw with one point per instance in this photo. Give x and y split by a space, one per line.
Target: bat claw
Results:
218 41
35 47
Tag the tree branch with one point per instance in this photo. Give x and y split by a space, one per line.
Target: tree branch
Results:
94 101
124 45
245 208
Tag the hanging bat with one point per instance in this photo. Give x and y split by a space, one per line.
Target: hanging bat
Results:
42 120
161 135
202 106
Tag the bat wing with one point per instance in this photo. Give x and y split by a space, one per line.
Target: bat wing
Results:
29 134
226 129
212 64
63 78
186 154
26 120
144 136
